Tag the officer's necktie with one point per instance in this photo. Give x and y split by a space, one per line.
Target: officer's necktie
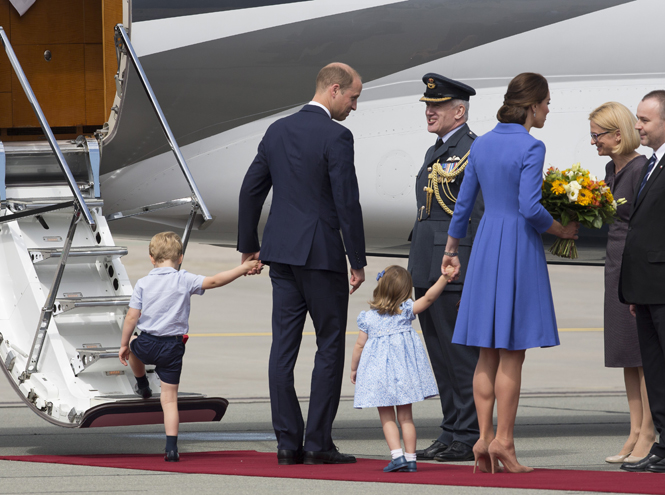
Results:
438 144
650 165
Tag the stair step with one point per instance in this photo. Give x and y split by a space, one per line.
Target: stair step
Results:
83 254
88 305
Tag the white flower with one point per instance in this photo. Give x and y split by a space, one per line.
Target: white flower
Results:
571 174
593 178
576 167
614 205
572 190
604 189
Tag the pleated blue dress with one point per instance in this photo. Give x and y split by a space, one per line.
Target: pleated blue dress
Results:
507 300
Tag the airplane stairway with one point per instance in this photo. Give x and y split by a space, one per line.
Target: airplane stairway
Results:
64 291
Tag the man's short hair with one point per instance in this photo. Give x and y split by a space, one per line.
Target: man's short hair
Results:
465 104
165 246
659 96
336 73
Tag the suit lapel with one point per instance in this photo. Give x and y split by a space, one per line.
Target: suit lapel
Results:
658 167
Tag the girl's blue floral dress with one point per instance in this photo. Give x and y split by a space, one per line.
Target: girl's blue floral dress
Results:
393 368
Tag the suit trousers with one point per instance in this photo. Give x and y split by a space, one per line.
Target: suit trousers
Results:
651 334
454 366
325 296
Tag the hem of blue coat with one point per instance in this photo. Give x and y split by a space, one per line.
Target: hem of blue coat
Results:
485 345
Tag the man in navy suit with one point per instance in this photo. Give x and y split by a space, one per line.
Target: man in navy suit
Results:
642 280
307 160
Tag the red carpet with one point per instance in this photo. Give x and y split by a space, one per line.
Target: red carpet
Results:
251 463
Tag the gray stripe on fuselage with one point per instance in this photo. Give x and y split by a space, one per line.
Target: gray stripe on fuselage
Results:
209 88
148 10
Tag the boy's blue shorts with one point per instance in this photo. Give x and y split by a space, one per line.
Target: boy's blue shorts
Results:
164 352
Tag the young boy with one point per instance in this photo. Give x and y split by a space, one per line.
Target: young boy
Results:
160 308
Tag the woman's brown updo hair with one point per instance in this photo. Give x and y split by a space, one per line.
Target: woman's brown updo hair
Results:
526 89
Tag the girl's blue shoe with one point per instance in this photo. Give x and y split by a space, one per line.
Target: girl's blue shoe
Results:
411 467
396 465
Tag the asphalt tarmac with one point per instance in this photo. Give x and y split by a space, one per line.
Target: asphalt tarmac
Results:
573 412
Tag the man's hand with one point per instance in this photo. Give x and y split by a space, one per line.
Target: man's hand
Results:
357 278
252 256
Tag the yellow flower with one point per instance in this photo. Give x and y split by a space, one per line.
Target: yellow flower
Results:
608 196
584 181
585 197
557 187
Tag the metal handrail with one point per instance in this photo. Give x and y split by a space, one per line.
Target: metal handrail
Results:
46 128
122 34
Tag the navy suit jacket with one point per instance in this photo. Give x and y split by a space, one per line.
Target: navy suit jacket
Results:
307 159
642 279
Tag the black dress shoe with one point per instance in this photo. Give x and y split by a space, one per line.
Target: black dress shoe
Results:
332 456
289 456
643 465
457 452
429 453
658 467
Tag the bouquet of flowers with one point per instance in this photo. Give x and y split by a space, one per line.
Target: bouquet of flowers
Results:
574 195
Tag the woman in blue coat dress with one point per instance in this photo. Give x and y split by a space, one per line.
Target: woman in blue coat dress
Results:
506 304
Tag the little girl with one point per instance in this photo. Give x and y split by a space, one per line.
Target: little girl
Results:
389 364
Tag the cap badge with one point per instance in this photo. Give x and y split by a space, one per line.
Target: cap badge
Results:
430 83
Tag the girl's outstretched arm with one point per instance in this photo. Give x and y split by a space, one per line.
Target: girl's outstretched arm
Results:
433 293
357 351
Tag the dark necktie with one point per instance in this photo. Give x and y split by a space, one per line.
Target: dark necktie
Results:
438 144
650 165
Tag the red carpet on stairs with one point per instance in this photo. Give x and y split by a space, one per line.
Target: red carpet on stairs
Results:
252 463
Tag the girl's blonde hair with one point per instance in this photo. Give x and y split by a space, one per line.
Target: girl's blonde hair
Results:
393 289
165 246
613 116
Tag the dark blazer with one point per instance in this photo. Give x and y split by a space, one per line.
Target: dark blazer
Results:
642 278
430 233
307 160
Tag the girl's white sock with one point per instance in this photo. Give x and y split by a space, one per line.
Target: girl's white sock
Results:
410 457
396 453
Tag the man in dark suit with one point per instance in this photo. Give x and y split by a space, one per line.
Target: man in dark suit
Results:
308 161
642 282
437 186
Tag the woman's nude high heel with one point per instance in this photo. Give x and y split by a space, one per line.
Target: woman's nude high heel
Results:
482 458
506 455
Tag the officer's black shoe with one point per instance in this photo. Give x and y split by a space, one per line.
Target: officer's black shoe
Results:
457 452
332 456
429 453
642 465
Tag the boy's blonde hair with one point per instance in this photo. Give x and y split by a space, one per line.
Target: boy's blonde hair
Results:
393 289
165 246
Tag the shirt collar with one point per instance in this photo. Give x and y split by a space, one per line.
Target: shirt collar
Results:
659 153
449 135
162 270
317 104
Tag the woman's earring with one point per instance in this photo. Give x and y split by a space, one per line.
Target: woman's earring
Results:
534 115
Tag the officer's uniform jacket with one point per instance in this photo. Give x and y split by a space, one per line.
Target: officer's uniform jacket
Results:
430 232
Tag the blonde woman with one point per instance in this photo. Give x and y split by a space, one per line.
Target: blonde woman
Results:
613 134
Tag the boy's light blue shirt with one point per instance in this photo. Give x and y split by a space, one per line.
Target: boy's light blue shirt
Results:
163 299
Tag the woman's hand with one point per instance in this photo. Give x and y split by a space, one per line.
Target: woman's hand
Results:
450 267
570 231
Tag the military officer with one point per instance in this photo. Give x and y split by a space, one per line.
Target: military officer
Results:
437 186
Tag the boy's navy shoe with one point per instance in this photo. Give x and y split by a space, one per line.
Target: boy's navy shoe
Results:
396 465
144 392
172 456
410 467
